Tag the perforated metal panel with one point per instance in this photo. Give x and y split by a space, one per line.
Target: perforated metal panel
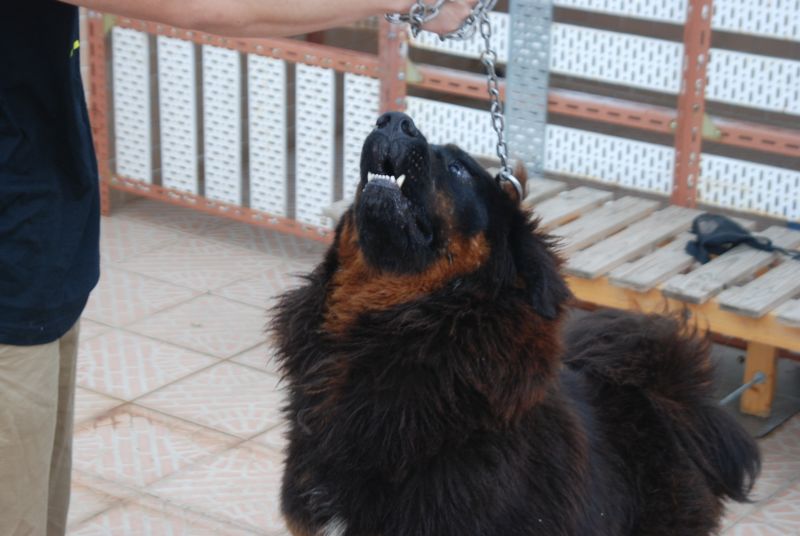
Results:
132 120
610 159
470 48
617 58
222 127
316 131
178 114
754 81
660 10
585 52
528 80
779 19
267 136
568 151
655 64
772 18
748 186
444 123
361 108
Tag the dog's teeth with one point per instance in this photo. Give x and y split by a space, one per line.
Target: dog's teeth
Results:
398 180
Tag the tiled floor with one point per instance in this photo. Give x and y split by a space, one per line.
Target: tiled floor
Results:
178 428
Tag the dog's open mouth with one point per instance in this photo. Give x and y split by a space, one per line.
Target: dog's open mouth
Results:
394 203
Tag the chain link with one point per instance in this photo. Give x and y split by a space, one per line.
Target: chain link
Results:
421 13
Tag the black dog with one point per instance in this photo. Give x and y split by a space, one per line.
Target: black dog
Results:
427 393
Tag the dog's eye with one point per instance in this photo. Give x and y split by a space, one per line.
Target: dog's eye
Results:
458 169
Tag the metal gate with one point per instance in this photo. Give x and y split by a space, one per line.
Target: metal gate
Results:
269 130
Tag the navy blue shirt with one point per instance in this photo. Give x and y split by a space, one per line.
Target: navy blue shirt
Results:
49 204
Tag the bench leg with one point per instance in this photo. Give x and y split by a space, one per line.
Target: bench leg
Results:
758 399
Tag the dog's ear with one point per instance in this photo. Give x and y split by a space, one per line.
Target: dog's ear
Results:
537 267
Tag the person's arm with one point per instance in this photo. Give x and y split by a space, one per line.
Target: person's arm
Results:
269 18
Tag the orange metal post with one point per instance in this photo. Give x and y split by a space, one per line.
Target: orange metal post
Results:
393 55
98 106
692 102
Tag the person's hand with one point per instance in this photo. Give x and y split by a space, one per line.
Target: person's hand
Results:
451 16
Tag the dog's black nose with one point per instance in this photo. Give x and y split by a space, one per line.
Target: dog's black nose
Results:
397 124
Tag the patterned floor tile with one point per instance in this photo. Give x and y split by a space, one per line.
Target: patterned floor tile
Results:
241 486
122 238
781 450
90 329
134 446
274 278
199 264
262 357
751 528
123 297
228 397
782 511
208 324
735 512
268 241
126 366
769 482
149 517
275 438
90 405
86 502
170 216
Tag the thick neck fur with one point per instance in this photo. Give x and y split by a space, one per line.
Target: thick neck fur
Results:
413 376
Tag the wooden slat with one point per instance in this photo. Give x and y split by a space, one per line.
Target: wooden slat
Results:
789 313
602 222
569 205
541 189
741 262
652 269
665 262
630 243
764 293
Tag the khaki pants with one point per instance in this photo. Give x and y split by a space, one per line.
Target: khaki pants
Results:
37 392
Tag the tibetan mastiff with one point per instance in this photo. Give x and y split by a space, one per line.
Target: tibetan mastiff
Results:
433 391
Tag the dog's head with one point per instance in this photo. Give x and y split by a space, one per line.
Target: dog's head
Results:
426 215
435 263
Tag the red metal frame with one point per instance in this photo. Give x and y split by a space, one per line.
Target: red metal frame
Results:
692 102
291 50
392 68
219 208
616 112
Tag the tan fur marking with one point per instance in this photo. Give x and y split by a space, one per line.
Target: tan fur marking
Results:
359 288
296 529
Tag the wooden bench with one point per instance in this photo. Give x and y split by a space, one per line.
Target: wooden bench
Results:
629 253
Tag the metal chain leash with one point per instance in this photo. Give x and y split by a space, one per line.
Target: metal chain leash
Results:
489 60
421 13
